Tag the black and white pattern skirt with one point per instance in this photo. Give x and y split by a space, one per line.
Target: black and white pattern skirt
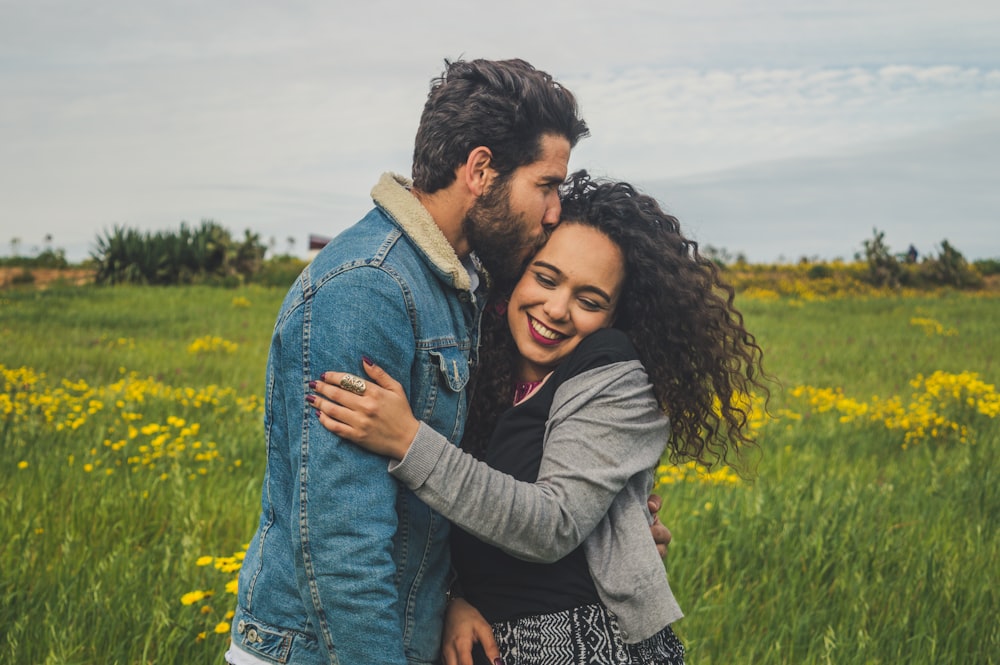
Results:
587 635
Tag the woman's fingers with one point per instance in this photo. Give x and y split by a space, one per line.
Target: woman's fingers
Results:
381 377
335 417
485 636
337 385
460 636
379 419
331 386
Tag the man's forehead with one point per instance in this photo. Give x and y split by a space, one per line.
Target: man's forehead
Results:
553 159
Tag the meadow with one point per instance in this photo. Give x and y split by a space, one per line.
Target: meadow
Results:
131 457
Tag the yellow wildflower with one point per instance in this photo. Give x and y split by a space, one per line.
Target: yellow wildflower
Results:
192 597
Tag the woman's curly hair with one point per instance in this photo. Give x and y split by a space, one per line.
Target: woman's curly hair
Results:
677 311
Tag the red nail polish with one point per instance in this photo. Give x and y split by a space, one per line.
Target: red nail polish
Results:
311 399
367 361
312 385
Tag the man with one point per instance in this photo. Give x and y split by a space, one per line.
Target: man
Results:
346 566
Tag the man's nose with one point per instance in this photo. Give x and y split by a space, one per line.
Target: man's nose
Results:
551 217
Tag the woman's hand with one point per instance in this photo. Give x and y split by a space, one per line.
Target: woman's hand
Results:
465 627
379 420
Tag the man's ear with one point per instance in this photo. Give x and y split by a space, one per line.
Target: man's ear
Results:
478 170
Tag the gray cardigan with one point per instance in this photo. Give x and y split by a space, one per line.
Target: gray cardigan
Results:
603 438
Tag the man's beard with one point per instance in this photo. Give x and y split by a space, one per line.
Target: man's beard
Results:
497 234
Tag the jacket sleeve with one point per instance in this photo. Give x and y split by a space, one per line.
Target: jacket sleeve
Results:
346 501
604 427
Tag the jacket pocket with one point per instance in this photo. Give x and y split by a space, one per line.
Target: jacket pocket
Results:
453 365
257 637
438 396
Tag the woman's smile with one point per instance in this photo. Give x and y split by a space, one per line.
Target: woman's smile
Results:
543 333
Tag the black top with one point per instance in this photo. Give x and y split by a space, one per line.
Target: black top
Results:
500 586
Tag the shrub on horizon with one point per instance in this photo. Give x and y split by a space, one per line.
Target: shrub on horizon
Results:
206 255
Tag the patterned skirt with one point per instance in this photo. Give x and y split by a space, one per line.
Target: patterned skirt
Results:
587 635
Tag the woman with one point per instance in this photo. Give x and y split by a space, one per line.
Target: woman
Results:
616 321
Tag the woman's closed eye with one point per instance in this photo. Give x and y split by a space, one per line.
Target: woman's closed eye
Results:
545 280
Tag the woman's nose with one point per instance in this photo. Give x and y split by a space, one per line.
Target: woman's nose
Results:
555 308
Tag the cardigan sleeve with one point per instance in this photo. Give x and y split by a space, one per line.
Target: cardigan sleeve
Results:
604 427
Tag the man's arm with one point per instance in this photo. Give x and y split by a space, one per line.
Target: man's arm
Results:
347 510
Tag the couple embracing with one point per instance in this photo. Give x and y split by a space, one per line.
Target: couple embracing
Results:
521 349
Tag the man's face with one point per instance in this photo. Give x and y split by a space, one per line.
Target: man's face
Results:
508 223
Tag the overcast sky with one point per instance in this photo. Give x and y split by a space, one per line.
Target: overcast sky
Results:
775 128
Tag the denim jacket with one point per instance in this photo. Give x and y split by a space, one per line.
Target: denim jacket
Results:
347 566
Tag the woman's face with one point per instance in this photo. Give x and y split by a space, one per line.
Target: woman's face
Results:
569 289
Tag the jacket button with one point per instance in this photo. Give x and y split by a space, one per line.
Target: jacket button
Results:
253 636
241 627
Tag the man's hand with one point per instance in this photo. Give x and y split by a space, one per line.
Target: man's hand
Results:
661 534
464 627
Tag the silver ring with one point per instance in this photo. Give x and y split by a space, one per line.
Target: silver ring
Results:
353 384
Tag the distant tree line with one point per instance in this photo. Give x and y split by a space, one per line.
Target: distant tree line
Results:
209 254
46 258
203 254
881 267
947 268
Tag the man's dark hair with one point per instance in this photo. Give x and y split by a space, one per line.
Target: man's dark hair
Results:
505 105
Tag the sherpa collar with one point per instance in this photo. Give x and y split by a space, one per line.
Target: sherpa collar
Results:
392 194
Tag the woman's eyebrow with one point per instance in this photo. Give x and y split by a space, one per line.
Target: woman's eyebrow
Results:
593 289
588 287
545 264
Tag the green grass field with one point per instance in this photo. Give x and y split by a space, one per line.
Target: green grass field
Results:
132 452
